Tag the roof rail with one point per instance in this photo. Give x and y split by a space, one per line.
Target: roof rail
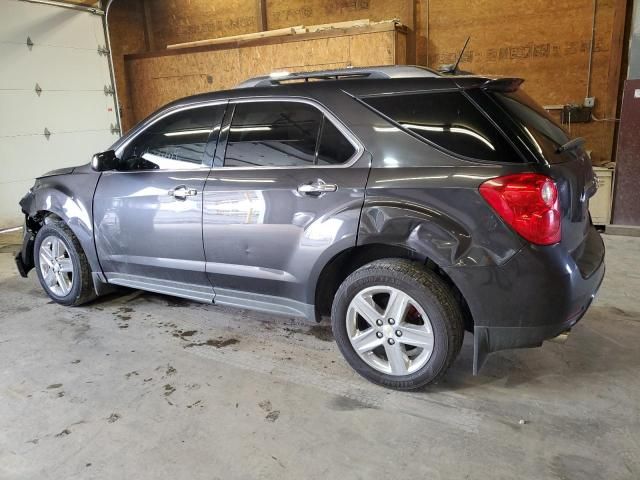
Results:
385 71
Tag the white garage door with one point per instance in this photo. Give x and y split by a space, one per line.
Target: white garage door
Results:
64 62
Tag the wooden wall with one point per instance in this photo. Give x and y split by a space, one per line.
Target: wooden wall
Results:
154 80
544 41
178 21
126 22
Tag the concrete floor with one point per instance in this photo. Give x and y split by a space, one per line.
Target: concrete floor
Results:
144 386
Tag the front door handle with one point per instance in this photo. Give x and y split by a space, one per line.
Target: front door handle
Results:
182 192
317 187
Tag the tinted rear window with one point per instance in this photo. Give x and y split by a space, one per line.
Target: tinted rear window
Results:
450 121
542 133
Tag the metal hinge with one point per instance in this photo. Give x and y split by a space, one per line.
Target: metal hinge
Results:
115 129
47 133
109 90
103 50
38 89
29 43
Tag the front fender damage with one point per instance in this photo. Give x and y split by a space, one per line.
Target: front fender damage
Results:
24 258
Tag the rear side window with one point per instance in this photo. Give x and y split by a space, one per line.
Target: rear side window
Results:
448 120
281 134
542 133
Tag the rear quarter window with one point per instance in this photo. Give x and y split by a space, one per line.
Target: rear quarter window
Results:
541 132
447 120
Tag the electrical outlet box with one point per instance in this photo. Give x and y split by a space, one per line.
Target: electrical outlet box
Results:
575 114
589 102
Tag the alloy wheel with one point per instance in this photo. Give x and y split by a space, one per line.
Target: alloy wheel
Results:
56 266
389 330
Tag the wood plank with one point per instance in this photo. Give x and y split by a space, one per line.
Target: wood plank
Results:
261 15
240 38
371 28
299 29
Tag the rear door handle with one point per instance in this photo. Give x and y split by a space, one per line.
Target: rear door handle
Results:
317 187
182 192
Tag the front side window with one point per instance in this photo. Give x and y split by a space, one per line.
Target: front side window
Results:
334 148
448 120
282 134
177 142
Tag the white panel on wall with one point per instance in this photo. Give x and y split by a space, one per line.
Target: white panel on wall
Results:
64 61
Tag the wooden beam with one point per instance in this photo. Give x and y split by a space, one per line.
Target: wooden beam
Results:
149 38
239 38
411 37
615 59
85 3
230 42
261 15
281 32
425 5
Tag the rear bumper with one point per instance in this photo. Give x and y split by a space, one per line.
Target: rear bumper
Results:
538 294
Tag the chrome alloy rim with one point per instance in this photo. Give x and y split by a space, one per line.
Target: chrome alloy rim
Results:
389 330
56 266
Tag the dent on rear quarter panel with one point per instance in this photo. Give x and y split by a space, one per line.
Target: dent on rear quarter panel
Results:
437 213
70 197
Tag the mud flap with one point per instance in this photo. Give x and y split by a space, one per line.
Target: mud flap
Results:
481 347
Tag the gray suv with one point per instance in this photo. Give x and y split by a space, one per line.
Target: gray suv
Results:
407 205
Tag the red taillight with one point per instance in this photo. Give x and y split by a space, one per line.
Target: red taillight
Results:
528 202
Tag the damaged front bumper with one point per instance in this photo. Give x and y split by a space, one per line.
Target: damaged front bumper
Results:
24 258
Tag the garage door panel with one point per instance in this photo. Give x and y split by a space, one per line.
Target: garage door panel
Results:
53 68
58 111
26 157
12 194
72 105
50 26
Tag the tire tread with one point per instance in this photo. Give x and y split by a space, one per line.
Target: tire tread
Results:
415 272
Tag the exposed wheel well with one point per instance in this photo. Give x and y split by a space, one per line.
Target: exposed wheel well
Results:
37 221
348 261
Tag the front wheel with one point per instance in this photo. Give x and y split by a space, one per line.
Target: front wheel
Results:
397 324
62 267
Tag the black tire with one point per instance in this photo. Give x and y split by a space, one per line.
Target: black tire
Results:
82 290
430 292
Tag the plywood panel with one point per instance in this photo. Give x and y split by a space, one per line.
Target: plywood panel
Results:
545 42
281 13
155 80
177 21
127 34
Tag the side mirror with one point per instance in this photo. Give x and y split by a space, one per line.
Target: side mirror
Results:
101 162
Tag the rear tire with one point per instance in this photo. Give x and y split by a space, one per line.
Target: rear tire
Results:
407 352
62 266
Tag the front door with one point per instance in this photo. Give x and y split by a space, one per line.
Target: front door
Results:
285 198
148 212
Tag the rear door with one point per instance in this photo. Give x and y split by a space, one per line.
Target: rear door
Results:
284 197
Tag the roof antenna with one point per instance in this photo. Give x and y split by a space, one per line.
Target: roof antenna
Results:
453 69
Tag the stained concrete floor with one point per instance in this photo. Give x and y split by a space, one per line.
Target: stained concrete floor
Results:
138 385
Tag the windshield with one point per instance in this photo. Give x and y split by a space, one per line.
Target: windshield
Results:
543 133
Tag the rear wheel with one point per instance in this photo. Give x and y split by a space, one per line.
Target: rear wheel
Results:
61 265
397 324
